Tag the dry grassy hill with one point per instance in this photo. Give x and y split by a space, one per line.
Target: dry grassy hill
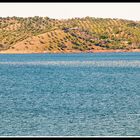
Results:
42 34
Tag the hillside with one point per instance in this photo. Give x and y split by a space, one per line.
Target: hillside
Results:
42 34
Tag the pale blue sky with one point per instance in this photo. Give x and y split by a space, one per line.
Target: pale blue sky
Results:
69 10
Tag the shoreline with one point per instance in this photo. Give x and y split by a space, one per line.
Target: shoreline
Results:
69 52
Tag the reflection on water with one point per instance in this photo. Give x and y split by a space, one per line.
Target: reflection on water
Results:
79 63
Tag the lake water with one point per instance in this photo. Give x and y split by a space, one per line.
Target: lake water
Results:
70 94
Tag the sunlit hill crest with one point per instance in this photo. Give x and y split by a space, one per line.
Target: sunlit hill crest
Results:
43 34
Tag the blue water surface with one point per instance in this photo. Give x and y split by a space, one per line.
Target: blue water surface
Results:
93 94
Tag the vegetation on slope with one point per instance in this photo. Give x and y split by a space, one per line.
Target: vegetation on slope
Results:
41 34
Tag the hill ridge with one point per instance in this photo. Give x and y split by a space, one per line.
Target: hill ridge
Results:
43 34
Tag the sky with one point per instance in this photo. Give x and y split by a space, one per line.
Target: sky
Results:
129 11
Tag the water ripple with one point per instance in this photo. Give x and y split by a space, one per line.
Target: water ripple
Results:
79 63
